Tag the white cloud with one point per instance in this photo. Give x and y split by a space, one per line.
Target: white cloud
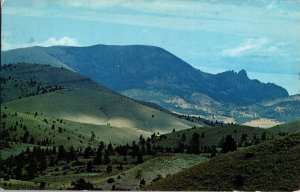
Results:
52 41
261 45
65 41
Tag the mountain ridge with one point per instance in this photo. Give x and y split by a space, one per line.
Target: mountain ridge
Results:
123 67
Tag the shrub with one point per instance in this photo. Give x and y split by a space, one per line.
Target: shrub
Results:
109 169
120 167
239 180
110 180
158 177
81 184
142 182
249 155
138 174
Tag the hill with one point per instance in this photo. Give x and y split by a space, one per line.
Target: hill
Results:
43 96
151 170
291 127
123 68
20 130
99 108
272 165
23 80
212 136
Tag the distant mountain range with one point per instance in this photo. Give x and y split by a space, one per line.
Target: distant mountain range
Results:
123 68
153 74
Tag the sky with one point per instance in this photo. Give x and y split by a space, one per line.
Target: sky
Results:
260 36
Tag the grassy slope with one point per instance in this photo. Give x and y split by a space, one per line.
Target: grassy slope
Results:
13 184
79 133
22 73
36 55
50 75
165 165
100 108
275 166
291 127
213 135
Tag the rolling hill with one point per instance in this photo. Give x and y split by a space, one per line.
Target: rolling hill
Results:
213 135
55 131
157 167
272 165
23 80
99 108
41 93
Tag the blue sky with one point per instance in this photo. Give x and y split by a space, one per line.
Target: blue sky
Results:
260 36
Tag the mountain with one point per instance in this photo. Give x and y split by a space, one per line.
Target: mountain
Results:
269 166
148 68
152 74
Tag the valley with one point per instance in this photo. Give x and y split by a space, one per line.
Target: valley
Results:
119 95
61 130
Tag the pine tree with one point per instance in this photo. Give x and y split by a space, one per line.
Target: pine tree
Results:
263 136
93 136
202 135
31 140
213 151
42 164
180 148
108 169
110 149
106 157
149 150
61 155
139 156
72 154
183 137
89 167
195 143
31 169
98 158
54 150
229 144
87 151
